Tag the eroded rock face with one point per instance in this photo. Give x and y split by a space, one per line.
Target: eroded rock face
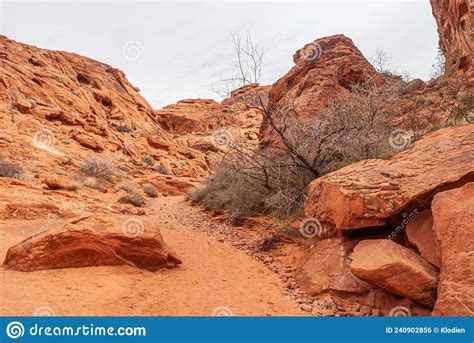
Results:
456 33
55 104
392 267
323 69
420 233
377 192
453 217
89 241
192 116
456 290
325 268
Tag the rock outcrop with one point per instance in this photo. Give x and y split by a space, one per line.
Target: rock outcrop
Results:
395 268
192 116
326 268
377 192
453 218
323 69
455 21
419 232
69 105
90 241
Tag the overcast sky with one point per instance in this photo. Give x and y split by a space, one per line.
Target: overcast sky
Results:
177 50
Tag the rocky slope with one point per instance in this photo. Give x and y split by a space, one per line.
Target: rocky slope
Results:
209 126
77 107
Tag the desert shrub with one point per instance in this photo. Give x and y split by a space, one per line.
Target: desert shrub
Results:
135 199
148 160
162 170
96 167
150 190
273 179
71 186
123 128
8 169
92 182
230 190
128 187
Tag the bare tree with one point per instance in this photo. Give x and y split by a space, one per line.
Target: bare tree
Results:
354 127
438 65
380 61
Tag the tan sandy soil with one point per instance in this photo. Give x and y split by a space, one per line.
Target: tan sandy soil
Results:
213 275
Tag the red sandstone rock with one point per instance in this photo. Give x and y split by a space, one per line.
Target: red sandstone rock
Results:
455 19
325 268
192 116
54 182
395 268
323 69
453 218
90 241
420 234
377 192
72 106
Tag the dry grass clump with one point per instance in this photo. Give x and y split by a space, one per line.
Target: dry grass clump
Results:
150 190
162 170
71 186
8 169
128 187
92 182
148 161
134 196
135 199
97 167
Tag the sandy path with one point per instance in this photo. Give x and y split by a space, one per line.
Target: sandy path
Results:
213 275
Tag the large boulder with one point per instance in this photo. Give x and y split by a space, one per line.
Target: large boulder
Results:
89 241
378 192
419 232
399 270
453 218
325 268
